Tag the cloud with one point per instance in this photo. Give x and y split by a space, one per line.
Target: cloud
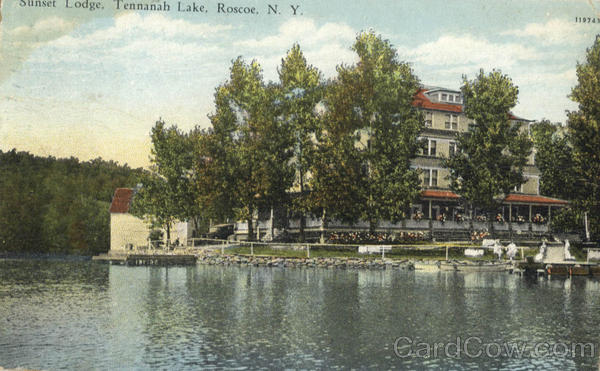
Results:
155 27
567 77
46 29
464 50
305 31
553 32
160 25
324 46
137 45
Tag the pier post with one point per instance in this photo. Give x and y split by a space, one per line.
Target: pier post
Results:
308 251
251 249
446 252
522 253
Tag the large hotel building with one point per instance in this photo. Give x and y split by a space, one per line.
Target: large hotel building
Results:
444 119
439 212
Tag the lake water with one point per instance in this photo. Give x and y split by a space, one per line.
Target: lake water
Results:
84 315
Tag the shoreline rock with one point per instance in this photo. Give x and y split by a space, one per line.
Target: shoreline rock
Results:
319 262
348 263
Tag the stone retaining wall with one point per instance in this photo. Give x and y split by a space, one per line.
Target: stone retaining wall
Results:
339 263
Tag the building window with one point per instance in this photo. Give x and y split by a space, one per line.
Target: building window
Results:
518 188
451 98
428 119
451 122
430 177
431 150
457 99
451 149
444 97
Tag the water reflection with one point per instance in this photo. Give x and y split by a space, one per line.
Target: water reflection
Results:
84 315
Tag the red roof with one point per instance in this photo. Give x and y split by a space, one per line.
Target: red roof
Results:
422 101
121 200
511 198
434 193
534 199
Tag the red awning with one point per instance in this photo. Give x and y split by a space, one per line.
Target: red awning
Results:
434 193
533 199
511 198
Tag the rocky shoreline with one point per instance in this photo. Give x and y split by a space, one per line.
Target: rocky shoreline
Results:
346 263
289 262
246 260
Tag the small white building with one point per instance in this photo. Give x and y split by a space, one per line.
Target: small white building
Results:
128 231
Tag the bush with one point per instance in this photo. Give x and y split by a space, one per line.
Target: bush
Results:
567 220
375 238
155 234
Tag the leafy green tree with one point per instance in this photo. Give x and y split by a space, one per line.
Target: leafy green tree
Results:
214 171
248 148
155 202
554 159
22 203
491 156
584 132
301 91
337 170
370 121
168 195
57 205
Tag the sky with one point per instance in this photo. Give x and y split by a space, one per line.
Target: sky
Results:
92 83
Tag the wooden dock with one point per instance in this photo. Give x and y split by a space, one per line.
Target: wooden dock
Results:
162 260
561 269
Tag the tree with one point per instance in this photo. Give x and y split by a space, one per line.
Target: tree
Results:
167 194
57 205
371 132
301 92
584 132
490 157
153 202
554 159
254 147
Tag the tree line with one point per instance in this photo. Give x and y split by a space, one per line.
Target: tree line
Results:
339 148
50 205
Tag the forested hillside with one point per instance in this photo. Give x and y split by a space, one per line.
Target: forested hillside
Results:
50 205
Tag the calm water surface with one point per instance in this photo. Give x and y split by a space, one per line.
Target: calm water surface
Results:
83 315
